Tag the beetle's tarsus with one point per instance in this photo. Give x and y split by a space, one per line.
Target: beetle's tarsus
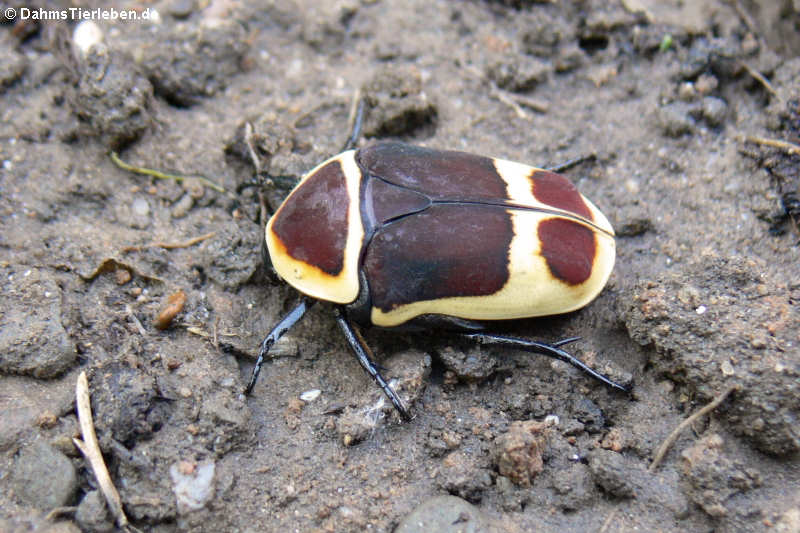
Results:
551 350
277 332
363 354
566 165
357 121
566 341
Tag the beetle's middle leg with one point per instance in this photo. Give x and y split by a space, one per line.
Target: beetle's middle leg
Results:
551 350
364 356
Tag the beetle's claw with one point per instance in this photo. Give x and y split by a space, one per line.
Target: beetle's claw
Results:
566 341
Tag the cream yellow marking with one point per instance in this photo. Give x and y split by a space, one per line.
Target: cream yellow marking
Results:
309 279
518 185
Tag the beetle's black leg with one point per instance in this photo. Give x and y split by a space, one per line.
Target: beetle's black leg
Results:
363 354
551 350
566 165
358 122
277 332
568 340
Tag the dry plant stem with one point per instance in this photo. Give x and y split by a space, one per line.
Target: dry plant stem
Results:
669 441
170 245
760 78
532 103
745 16
514 101
162 175
504 98
789 148
60 511
248 141
90 448
608 520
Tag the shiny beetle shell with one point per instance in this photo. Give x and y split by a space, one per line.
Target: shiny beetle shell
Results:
401 232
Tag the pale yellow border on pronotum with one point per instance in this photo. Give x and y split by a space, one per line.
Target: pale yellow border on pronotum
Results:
531 289
308 279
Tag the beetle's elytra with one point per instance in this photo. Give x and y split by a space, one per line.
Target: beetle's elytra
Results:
396 234
439 232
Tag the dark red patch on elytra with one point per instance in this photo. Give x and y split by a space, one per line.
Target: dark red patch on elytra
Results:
446 250
569 249
557 191
312 223
440 174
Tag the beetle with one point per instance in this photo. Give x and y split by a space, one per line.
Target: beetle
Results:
396 235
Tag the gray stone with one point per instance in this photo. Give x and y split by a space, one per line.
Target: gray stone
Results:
43 477
444 514
33 341
92 514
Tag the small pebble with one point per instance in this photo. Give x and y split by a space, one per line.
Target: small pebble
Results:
706 84
122 276
675 119
714 110
140 207
310 395
182 207
181 9
444 514
727 368
43 477
193 487
86 34
92 513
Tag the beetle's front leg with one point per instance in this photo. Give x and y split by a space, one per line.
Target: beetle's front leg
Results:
551 350
277 332
364 356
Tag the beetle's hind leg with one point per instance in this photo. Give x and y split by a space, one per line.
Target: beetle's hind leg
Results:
364 356
551 350
277 332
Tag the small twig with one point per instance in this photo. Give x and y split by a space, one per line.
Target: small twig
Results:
90 448
514 101
215 340
60 511
662 450
200 332
169 245
162 175
760 78
506 99
194 330
789 148
264 210
532 103
744 15
248 141
608 520
136 322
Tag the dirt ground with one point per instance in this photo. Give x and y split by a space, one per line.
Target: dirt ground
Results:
680 102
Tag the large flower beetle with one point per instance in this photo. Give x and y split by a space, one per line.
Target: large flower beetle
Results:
399 235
